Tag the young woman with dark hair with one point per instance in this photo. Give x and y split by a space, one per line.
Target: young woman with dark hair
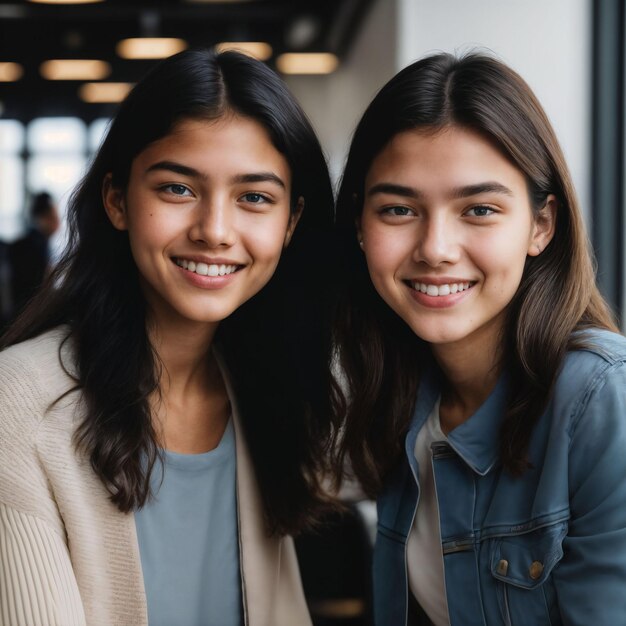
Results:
164 404
486 376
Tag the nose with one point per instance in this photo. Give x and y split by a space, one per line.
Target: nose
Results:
437 241
213 223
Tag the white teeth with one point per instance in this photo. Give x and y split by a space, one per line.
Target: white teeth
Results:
440 290
204 269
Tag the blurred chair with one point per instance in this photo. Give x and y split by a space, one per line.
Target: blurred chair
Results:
335 563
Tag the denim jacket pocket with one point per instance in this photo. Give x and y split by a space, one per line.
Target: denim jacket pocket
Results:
522 566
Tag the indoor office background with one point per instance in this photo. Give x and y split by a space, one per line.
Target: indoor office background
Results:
571 52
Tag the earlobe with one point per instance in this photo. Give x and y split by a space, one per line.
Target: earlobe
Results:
359 234
114 203
544 227
294 218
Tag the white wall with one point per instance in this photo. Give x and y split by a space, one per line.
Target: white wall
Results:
335 103
548 42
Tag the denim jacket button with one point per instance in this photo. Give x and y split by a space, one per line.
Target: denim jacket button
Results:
536 568
503 567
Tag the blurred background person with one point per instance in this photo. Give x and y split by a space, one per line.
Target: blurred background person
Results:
29 256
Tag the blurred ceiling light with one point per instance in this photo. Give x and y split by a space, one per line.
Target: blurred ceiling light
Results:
302 32
104 92
10 72
149 47
307 63
74 69
217 1
257 49
65 1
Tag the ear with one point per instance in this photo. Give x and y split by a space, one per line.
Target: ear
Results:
114 203
359 233
294 218
544 226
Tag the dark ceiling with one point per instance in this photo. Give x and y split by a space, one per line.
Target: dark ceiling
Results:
31 33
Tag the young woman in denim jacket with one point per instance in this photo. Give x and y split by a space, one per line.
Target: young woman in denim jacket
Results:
486 376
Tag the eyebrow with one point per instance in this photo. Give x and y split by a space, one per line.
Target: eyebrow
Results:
177 168
475 190
185 170
259 177
459 192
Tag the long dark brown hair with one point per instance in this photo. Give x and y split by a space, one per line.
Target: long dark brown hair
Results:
277 346
380 355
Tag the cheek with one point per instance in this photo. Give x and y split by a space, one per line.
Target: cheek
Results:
385 252
505 253
265 241
146 232
501 261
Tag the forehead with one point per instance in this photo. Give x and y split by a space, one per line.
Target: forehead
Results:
230 142
454 155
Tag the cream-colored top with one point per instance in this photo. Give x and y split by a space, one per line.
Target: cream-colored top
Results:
424 553
68 557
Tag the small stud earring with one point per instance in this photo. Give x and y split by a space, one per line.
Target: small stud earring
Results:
361 242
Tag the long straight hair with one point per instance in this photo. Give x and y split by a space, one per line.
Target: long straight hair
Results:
277 345
379 353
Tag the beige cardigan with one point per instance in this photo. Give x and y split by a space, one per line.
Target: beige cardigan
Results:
68 557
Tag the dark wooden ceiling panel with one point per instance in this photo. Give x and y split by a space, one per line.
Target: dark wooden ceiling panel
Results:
31 33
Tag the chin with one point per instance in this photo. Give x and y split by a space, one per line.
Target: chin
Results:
203 316
437 336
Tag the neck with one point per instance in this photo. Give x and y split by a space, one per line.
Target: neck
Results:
471 372
182 350
191 407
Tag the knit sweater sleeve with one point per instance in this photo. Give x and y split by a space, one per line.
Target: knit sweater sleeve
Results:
37 582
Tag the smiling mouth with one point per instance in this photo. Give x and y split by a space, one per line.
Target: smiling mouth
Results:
206 269
440 290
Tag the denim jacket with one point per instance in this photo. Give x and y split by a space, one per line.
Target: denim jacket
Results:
547 548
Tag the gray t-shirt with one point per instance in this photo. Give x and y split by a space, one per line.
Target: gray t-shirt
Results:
188 539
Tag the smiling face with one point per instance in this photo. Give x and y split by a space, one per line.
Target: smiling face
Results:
446 229
207 210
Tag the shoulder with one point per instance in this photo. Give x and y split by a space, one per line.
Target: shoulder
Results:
33 374
593 374
595 353
43 364
603 344
32 379
590 402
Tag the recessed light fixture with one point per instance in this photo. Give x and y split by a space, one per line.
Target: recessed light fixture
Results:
104 92
257 49
149 47
74 69
307 63
65 1
218 1
302 32
10 72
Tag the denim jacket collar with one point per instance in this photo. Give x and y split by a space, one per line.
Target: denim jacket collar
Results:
476 440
